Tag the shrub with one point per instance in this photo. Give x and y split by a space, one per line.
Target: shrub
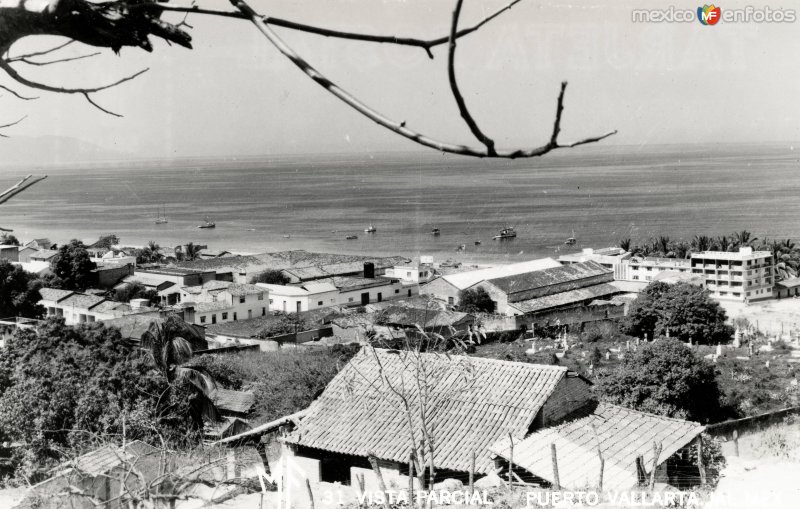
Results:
475 301
271 277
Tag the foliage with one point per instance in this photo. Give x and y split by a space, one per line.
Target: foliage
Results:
713 459
188 253
170 345
106 241
60 386
600 331
9 239
665 378
685 310
222 369
475 301
135 291
151 253
271 277
287 381
19 292
72 266
287 323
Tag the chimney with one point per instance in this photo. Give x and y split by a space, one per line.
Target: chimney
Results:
369 270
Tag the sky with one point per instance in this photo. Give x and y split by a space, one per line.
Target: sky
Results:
235 95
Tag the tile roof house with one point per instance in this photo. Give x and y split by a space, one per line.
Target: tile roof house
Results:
233 403
473 403
621 434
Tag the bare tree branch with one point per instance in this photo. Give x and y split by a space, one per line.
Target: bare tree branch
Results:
11 125
397 127
451 73
426 44
57 61
16 94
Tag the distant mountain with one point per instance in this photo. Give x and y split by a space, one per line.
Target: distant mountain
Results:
46 151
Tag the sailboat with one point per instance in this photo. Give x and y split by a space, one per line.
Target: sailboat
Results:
208 224
371 229
162 217
506 233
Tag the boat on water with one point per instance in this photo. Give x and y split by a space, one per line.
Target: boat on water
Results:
162 217
435 231
208 224
351 237
572 240
477 242
506 233
371 229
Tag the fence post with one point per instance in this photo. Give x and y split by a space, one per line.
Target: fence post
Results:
554 457
700 465
472 474
736 442
641 475
602 467
657 453
411 478
373 461
310 492
510 462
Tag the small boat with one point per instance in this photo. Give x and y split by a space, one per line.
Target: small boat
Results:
287 236
351 237
371 229
208 224
572 240
506 233
477 242
435 231
462 247
162 218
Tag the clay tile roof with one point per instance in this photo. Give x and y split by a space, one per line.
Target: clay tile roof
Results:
547 277
54 294
475 402
565 298
623 435
233 401
238 290
82 301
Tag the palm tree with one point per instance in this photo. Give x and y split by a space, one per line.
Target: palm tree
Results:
625 244
169 347
153 252
743 239
192 252
663 245
681 249
724 243
701 243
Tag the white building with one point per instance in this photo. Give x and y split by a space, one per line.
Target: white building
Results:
639 268
78 308
229 304
744 276
412 272
609 257
305 297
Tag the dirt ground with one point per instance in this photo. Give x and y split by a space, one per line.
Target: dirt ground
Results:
771 317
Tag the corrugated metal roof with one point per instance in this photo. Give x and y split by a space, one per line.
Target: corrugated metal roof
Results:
464 280
565 298
473 403
622 435
552 276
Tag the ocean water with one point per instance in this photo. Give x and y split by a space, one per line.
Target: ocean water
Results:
601 193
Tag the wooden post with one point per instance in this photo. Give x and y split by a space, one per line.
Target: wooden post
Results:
700 464
602 467
735 442
310 493
510 461
284 476
360 479
411 478
554 457
373 462
472 474
641 475
656 454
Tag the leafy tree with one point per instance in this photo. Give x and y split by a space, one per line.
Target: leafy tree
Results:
665 378
59 385
19 292
701 243
169 345
135 291
625 244
189 252
106 241
743 239
475 301
271 277
9 239
72 266
684 309
287 323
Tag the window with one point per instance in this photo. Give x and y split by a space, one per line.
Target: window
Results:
397 290
260 296
214 318
263 311
408 274
270 301
242 299
450 300
234 316
320 303
224 316
635 277
202 319
409 292
350 299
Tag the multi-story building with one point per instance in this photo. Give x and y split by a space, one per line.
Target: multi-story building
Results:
638 268
744 276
